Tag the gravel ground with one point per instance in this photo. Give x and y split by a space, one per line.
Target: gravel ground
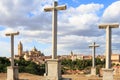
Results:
27 76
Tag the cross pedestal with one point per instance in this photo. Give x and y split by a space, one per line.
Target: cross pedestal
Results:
93 71
53 69
107 74
12 73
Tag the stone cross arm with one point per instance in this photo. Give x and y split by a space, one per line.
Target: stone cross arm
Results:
90 46
63 7
104 26
9 34
55 7
93 45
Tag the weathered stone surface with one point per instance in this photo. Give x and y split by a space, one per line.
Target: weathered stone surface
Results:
53 66
12 73
93 71
108 28
54 10
53 69
107 74
12 46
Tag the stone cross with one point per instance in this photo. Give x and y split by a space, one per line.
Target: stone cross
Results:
54 10
93 46
108 28
12 46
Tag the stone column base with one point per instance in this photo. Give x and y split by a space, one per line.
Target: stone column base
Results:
12 73
107 74
93 71
53 69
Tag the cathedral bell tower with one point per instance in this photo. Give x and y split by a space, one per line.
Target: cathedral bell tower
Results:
20 49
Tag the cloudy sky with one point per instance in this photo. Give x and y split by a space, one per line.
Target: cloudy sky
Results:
77 26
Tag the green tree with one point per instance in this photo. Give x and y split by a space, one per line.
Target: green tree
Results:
4 62
30 67
80 64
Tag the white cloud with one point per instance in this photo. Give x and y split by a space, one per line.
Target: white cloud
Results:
7 30
25 13
35 25
112 13
85 9
89 8
4 49
79 44
77 27
83 19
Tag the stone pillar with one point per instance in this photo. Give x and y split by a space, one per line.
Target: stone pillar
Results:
93 57
93 69
54 10
108 48
12 71
53 66
108 72
12 50
54 32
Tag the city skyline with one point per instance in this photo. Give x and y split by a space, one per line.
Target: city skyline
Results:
77 26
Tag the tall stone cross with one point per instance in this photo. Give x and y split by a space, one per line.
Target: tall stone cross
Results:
108 28
54 10
93 46
12 46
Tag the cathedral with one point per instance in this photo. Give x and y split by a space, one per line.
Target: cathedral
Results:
32 55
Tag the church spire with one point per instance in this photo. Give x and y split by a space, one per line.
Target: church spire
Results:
20 49
34 49
71 53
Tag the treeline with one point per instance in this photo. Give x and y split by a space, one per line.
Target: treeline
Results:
24 66
33 68
68 64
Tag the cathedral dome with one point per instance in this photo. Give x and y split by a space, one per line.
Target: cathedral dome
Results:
34 49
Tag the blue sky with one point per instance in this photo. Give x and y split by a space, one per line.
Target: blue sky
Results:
77 26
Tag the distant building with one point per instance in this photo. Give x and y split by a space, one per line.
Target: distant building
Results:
32 55
20 49
62 57
38 57
115 58
80 56
87 57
